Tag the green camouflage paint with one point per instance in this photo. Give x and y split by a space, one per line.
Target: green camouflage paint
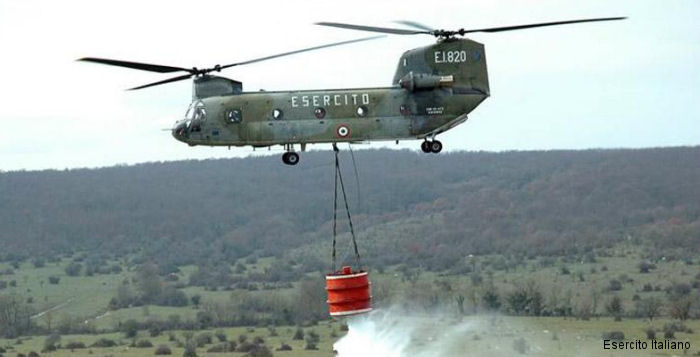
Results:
341 115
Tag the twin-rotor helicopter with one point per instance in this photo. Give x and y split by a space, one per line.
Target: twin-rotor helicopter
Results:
433 89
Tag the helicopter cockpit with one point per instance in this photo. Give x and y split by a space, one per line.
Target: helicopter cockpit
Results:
195 117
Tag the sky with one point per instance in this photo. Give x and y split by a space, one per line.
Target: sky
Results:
620 84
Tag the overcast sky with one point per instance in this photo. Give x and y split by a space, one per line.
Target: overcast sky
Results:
632 83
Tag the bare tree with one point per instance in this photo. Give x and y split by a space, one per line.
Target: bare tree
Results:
649 307
680 308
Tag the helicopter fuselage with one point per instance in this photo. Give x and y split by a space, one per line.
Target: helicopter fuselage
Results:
434 88
324 116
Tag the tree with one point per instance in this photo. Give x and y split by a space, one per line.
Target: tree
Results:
312 300
649 307
73 269
14 316
459 299
51 342
491 299
196 299
614 307
190 349
680 308
130 328
149 284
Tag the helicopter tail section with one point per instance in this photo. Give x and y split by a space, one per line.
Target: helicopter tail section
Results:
459 64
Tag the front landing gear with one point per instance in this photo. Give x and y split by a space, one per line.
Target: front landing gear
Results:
434 146
290 158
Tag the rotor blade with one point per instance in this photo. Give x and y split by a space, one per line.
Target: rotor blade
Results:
174 79
521 27
415 25
373 29
135 65
300 51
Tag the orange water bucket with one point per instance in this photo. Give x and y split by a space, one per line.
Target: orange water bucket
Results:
348 292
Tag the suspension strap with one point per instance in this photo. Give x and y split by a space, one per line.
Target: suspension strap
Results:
339 178
335 205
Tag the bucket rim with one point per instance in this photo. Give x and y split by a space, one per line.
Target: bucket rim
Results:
334 276
352 312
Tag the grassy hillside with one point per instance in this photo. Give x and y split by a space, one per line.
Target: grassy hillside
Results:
566 241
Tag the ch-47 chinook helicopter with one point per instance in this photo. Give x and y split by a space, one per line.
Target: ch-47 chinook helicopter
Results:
433 90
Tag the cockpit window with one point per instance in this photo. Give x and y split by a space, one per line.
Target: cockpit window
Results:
196 111
200 114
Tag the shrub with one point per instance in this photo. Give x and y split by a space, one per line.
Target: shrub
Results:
258 340
144 344
645 267
242 338
651 333
314 336
614 307
163 350
190 349
673 327
104 342
73 345
299 334
229 346
310 344
51 342
613 335
615 285
259 351
245 347
32 354
130 328
204 338
284 347
74 269
39 262
521 346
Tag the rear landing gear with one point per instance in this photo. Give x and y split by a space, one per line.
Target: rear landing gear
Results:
290 158
434 146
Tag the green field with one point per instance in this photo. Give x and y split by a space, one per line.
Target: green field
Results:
470 336
477 332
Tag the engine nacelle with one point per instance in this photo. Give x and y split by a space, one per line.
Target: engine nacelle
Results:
417 81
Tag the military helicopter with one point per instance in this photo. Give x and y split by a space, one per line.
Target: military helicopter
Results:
433 89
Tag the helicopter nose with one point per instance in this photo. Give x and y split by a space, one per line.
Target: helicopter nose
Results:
179 131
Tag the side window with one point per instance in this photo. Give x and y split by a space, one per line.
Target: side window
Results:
234 116
277 114
362 111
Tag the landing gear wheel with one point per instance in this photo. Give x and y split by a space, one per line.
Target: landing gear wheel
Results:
435 146
425 146
290 158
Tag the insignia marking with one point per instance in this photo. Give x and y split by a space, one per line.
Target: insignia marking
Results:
342 131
